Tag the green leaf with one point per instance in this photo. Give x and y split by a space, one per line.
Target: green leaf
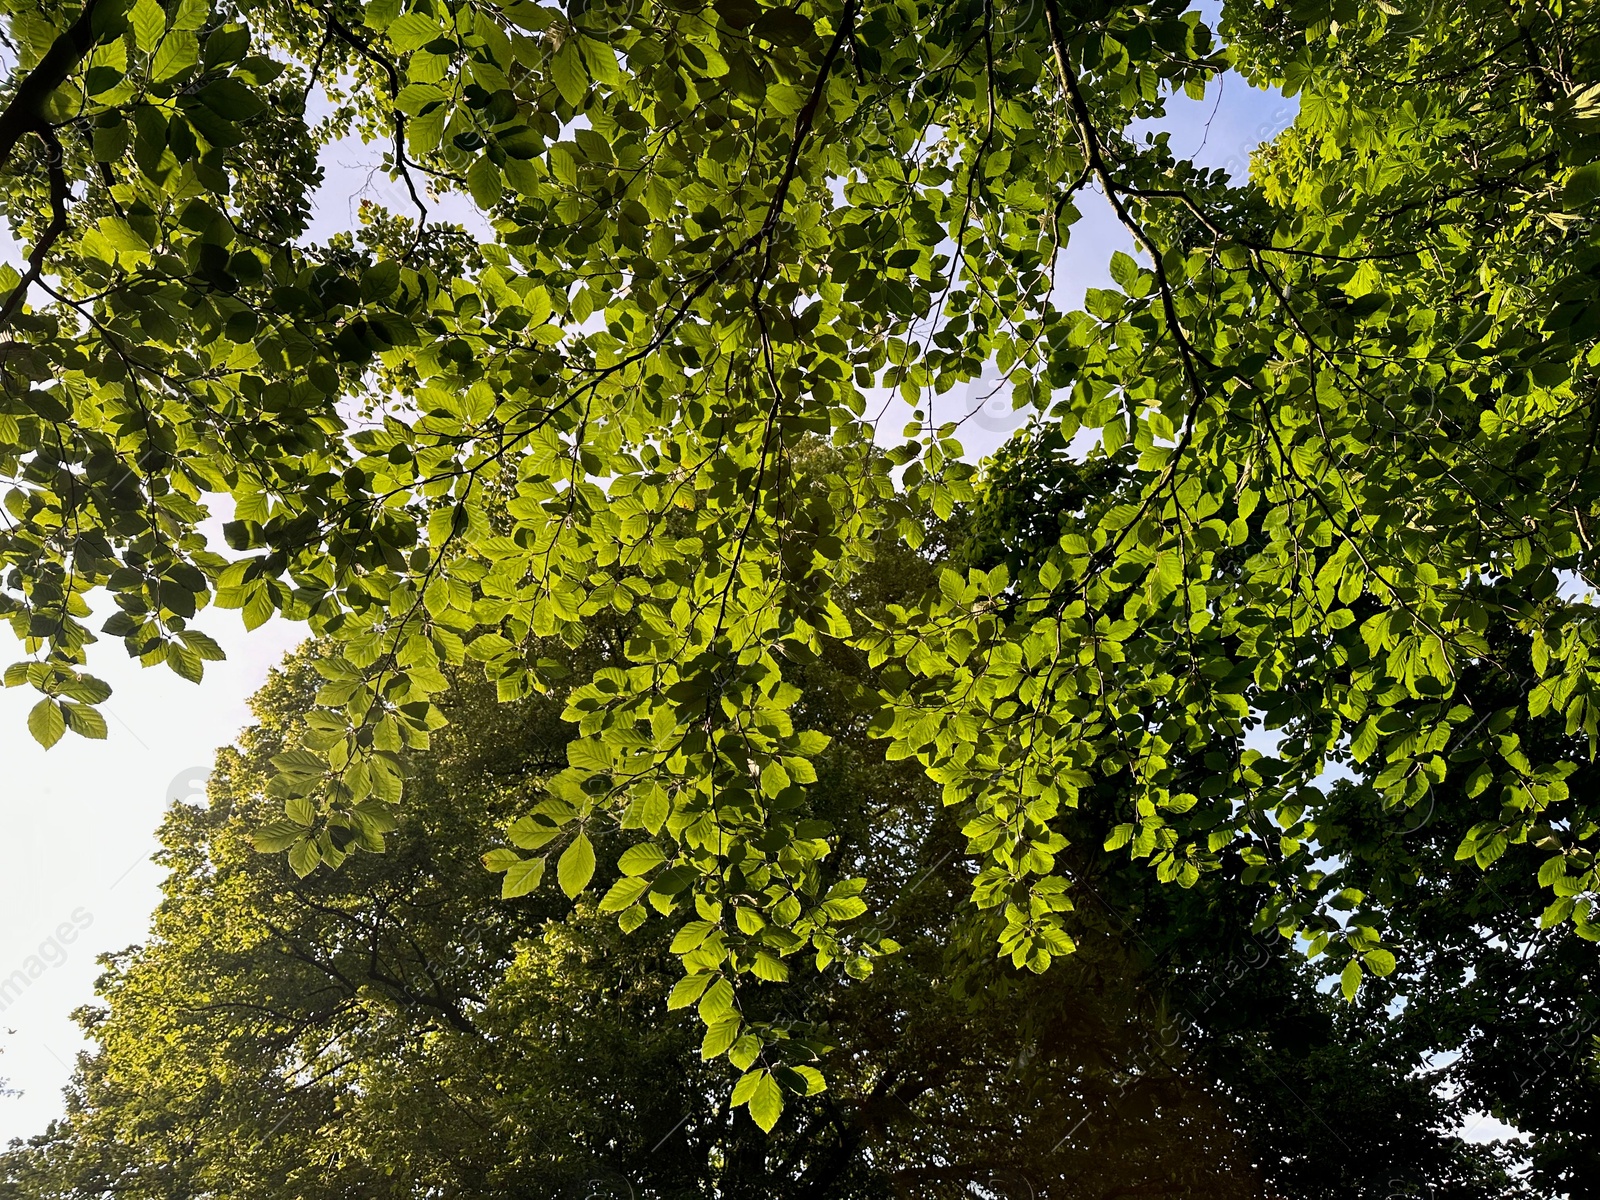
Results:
533 832
782 27
122 235
185 663
601 60
1350 979
1582 188
304 857
1490 848
1553 870
845 909
203 645
46 723
746 1087
1124 270
231 99
521 878
277 836
640 859
1558 911
741 14
301 763
690 936
87 689
576 866
1114 436
566 68
630 919
719 1037
809 1080
1380 961
673 880
717 1003
148 22
588 754
773 778
190 14
770 967
624 893
501 859
226 44
766 1103
178 52
485 184
378 282
412 32
687 990
83 720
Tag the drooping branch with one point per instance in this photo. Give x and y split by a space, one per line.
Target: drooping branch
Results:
1083 122
402 164
804 122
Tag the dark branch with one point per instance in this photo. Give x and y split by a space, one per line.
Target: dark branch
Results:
345 34
25 113
60 193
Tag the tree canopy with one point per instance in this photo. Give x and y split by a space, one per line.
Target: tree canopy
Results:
1341 425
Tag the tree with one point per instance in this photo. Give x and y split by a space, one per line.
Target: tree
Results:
397 1030
1485 1004
1369 367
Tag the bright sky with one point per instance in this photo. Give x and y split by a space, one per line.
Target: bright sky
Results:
79 820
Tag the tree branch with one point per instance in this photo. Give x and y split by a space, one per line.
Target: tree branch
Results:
25 113
345 34
60 193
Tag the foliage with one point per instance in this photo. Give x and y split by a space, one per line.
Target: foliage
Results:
1351 400
396 1030
1483 1004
